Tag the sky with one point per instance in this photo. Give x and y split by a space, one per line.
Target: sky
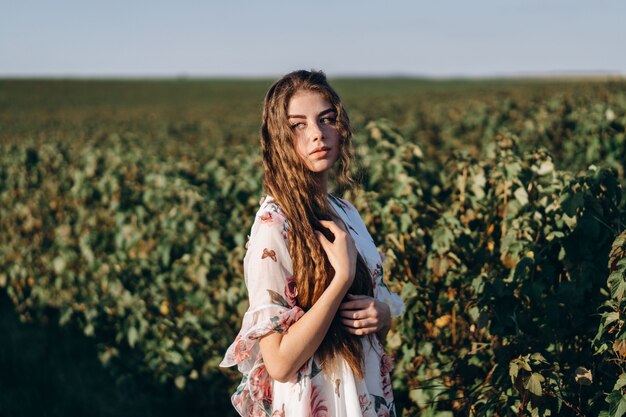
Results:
234 38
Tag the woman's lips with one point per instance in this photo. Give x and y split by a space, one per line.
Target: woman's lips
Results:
321 152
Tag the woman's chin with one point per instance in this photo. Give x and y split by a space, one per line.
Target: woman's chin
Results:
321 165
320 169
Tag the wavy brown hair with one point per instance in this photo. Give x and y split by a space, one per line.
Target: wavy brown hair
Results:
300 194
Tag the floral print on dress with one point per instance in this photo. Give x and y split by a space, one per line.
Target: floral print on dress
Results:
266 217
260 385
273 293
279 413
272 214
377 275
385 368
291 291
268 253
319 407
382 411
365 402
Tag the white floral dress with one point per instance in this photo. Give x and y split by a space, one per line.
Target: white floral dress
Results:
272 294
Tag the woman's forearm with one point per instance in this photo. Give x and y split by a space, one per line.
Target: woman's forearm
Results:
284 354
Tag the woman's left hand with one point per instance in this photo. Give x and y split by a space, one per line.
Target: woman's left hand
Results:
364 315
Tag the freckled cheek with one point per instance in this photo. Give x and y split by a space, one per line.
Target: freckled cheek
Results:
330 130
331 133
301 148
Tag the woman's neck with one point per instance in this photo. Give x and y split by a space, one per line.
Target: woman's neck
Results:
323 182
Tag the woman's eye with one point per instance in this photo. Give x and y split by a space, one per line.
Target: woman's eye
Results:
297 125
328 120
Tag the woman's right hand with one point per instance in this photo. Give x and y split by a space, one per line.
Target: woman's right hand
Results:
341 252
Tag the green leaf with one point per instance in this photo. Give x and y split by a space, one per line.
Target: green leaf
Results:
180 382
534 383
621 382
610 317
521 195
538 357
571 202
58 265
89 330
132 336
525 365
617 404
513 371
618 289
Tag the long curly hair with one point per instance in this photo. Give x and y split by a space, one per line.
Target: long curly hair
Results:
300 194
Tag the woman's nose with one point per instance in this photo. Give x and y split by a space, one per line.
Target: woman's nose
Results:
315 132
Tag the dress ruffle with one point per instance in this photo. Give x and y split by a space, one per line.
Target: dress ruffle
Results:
255 389
245 351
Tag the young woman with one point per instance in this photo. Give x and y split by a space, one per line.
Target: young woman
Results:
311 342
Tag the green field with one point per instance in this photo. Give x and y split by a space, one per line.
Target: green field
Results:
499 203
223 111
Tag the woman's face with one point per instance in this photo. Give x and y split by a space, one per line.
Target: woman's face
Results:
313 121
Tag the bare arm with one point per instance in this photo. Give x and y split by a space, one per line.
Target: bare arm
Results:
284 354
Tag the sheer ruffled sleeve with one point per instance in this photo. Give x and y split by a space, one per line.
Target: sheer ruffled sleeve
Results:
271 288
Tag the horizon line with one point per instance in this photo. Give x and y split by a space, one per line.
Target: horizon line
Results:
559 74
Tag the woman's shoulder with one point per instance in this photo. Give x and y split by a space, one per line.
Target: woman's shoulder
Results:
269 211
269 220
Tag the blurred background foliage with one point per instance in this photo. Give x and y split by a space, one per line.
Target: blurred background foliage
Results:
125 207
